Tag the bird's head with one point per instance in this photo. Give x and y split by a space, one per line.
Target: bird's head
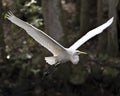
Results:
75 56
77 52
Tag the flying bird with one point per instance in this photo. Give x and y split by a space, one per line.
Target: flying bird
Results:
60 53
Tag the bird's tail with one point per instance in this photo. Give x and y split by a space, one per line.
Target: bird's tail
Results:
51 60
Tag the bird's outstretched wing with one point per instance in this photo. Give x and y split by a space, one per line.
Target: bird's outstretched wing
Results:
42 38
91 34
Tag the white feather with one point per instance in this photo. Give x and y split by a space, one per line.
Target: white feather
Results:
51 60
41 37
91 34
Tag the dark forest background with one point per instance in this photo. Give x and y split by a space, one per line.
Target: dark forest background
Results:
22 61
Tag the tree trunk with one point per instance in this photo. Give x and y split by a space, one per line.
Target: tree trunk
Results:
84 17
53 18
78 6
54 26
102 40
112 47
2 43
118 21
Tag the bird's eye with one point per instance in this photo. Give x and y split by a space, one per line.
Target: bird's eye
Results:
77 53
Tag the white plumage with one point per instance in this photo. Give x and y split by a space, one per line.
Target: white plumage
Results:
60 53
91 34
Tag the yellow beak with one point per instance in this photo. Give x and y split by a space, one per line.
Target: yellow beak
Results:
81 52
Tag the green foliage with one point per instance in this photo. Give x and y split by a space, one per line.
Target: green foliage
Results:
78 77
22 51
79 74
111 72
4 4
5 16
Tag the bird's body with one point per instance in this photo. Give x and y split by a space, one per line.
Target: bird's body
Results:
67 55
60 53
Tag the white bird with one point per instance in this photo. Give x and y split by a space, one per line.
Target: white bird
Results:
60 53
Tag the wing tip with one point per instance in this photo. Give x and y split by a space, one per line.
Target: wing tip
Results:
110 20
9 15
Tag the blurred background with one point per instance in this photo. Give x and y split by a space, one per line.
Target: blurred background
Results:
22 61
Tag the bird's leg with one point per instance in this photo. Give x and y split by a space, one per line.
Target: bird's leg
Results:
51 70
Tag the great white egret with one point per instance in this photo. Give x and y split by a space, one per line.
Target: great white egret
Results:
60 53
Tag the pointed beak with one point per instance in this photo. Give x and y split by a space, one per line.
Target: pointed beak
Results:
81 52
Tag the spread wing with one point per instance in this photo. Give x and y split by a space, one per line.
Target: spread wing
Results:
42 38
91 34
